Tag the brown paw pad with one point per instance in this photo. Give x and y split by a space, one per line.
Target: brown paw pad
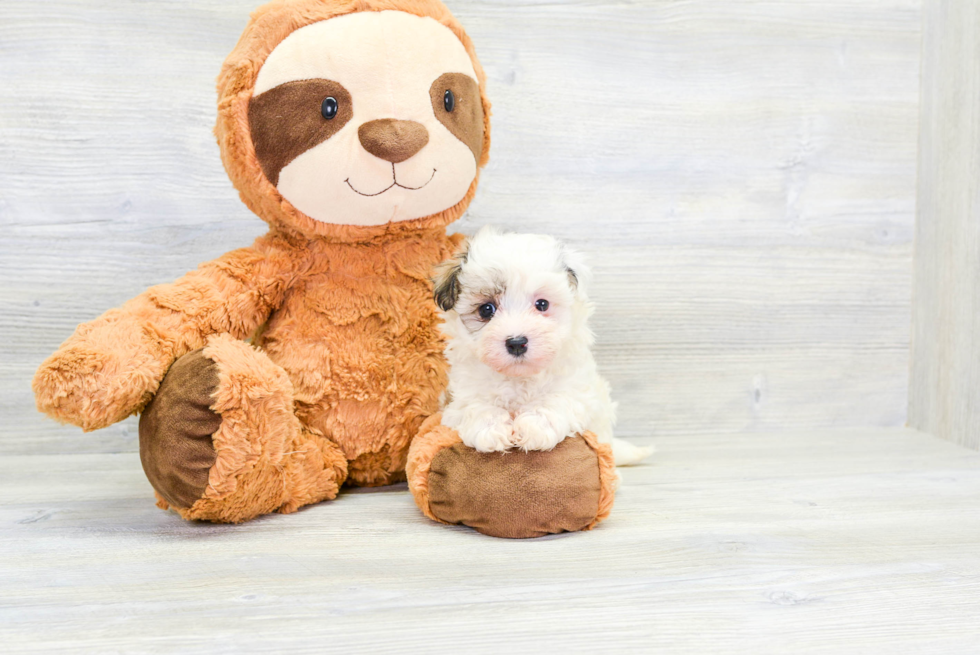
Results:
517 494
176 428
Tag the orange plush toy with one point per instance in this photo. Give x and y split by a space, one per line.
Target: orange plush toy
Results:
356 129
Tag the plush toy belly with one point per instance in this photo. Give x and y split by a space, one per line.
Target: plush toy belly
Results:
364 354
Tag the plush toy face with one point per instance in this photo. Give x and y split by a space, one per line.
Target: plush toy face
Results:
368 118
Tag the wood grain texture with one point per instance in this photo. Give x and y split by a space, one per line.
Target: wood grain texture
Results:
742 175
945 385
846 541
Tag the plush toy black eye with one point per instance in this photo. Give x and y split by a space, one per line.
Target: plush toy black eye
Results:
541 305
449 100
329 107
487 311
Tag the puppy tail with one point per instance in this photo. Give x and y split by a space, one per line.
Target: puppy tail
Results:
626 453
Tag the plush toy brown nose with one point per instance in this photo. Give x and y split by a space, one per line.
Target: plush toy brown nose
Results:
393 140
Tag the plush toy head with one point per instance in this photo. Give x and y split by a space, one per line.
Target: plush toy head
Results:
348 120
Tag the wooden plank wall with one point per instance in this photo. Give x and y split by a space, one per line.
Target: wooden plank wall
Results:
945 387
742 175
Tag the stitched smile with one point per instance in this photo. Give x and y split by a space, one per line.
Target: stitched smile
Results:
394 183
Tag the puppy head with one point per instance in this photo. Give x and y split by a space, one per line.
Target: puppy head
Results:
514 300
354 119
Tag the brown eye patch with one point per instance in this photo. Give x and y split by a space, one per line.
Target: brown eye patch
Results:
461 110
289 119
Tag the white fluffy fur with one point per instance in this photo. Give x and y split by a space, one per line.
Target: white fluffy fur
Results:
500 401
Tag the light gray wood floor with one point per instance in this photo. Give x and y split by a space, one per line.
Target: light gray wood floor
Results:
850 541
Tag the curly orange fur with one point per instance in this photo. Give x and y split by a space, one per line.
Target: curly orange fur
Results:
433 436
351 358
608 480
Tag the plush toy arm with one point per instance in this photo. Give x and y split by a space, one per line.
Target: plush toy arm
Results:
110 367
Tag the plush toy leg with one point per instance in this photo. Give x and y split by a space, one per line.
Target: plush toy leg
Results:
516 494
220 442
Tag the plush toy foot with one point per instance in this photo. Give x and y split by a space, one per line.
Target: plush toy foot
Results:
219 441
515 494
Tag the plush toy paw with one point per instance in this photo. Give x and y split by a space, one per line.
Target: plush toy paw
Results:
515 494
176 431
99 376
219 442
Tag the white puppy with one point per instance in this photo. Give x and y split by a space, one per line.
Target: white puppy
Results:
521 368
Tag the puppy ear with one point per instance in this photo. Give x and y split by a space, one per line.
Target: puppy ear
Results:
445 279
578 272
446 282
572 277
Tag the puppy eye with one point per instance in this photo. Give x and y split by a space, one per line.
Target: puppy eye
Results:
541 305
486 311
449 101
328 108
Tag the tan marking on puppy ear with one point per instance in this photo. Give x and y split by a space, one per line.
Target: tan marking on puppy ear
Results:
465 121
572 277
445 279
446 286
287 120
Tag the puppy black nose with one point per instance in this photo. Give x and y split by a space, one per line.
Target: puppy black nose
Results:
516 346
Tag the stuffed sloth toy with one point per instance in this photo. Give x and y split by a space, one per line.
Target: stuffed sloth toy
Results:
356 129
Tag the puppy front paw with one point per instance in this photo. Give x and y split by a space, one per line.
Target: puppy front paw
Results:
533 431
487 433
